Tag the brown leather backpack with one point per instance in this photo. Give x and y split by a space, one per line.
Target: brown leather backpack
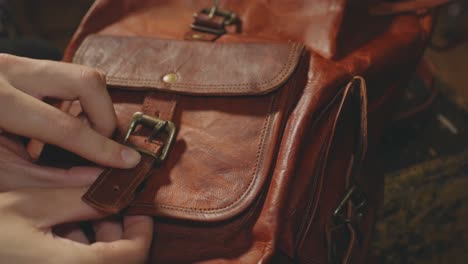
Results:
252 120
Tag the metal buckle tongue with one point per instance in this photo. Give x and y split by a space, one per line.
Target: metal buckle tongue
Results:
228 18
159 126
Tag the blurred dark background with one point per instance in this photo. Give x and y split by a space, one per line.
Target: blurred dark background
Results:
424 157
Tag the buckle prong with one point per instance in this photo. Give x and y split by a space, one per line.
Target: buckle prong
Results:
214 8
156 130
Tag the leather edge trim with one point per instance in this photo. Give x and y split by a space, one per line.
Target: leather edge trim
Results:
296 50
238 205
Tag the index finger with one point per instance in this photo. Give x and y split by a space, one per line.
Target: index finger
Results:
32 118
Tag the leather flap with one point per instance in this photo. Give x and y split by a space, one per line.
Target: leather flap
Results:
225 145
197 68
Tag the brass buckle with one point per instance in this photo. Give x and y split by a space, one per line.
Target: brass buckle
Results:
229 19
358 199
159 126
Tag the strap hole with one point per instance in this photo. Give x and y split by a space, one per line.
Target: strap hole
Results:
116 188
140 187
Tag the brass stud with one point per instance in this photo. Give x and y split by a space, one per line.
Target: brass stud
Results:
197 36
170 78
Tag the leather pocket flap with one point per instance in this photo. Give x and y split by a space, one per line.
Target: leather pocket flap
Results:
227 105
196 68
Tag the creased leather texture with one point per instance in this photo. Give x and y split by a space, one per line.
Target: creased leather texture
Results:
142 63
222 143
257 173
320 20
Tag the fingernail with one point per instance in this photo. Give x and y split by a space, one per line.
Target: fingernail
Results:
130 156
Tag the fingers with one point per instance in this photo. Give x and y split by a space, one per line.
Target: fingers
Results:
36 119
44 208
73 232
108 230
133 248
41 78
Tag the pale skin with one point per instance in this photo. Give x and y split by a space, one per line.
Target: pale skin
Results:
35 199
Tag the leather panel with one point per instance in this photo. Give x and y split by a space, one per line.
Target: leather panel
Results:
201 68
225 141
296 194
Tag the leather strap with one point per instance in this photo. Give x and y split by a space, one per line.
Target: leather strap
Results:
390 8
160 105
115 189
342 237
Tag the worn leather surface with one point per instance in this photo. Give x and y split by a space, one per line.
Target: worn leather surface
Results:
321 20
223 143
141 63
285 151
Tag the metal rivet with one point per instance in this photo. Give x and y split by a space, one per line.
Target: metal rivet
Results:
170 78
197 36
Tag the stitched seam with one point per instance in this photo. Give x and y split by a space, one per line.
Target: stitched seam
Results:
266 128
310 204
128 188
280 77
77 58
93 188
135 181
82 50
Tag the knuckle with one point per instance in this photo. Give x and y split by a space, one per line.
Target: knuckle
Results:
93 76
100 150
7 59
107 126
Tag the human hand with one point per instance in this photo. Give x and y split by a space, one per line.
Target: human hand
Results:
25 82
26 221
